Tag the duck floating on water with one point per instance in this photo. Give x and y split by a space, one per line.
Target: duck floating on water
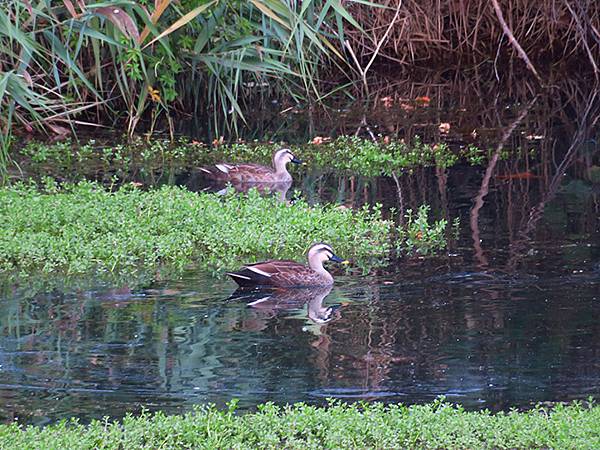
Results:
285 274
254 173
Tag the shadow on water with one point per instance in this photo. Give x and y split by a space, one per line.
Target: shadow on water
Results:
510 317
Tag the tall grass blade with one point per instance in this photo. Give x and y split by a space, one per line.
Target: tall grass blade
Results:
182 21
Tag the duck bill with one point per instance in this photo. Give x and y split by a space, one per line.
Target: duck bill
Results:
337 259
297 161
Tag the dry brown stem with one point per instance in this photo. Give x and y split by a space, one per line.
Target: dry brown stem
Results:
513 41
436 33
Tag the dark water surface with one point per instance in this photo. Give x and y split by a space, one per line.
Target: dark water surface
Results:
510 316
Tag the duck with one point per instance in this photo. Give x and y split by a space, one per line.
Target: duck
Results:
286 274
254 173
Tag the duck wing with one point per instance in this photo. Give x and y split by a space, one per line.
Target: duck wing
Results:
240 173
277 273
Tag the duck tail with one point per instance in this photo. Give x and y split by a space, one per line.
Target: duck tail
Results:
241 279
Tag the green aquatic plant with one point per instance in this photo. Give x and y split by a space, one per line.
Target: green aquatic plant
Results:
420 236
339 425
477 156
83 227
374 158
347 154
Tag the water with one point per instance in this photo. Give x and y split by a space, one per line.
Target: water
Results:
479 340
468 326
508 318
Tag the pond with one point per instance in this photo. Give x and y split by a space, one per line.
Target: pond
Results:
510 316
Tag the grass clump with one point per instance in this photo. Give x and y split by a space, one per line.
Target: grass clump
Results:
82 227
419 236
369 158
340 425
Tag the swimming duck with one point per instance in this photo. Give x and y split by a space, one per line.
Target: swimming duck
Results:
283 273
254 173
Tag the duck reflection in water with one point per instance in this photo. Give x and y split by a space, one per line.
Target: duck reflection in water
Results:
270 303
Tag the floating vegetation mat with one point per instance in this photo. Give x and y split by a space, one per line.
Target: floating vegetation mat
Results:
346 154
83 227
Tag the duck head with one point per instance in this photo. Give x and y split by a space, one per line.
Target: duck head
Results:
282 157
320 253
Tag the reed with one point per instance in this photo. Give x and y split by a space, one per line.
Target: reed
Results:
68 64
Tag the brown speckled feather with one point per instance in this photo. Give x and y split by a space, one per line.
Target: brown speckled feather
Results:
241 173
277 273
